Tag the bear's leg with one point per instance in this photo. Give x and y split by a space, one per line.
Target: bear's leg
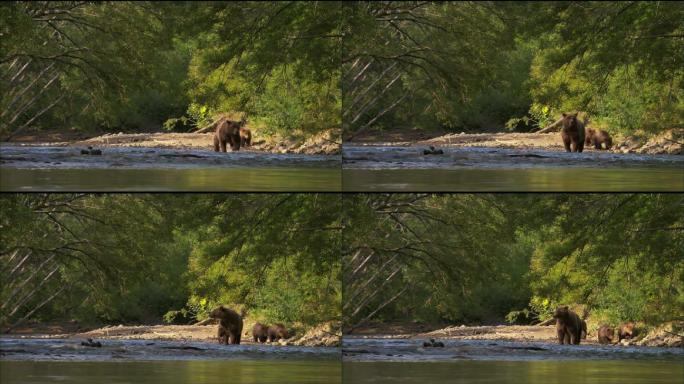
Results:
216 144
561 336
223 145
566 142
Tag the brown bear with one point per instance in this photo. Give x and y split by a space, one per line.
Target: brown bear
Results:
568 326
277 332
230 325
598 138
227 133
260 333
626 331
245 137
605 334
572 132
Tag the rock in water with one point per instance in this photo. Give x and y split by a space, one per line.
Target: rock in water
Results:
433 151
433 344
91 343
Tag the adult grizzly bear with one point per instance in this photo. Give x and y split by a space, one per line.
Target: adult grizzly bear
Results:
572 132
277 332
568 326
230 325
227 133
260 333
626 331
597 138
245 137
605 334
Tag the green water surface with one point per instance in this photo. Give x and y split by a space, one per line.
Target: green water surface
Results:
532 372
195 179
198 372
516 180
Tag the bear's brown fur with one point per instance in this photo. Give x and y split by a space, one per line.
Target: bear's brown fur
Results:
568 326
260 333
245 137
230 325
598 138
277 332
626 331
572 132
227 133
583 335
605 334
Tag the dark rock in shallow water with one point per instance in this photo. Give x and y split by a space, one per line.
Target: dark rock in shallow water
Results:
433 344
433 151
91 343
91 151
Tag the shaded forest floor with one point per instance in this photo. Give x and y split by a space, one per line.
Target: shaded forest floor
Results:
324 143
322 335
662 336
668 142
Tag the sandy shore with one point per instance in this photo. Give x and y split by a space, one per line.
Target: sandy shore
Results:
324 143
668 142
663 336
322 335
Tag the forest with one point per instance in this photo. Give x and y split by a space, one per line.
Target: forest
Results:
479 66
512 258
147 259
139 66
298 68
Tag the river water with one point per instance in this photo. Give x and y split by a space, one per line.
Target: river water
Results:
392 168
146 361
42 168
364 360
489 361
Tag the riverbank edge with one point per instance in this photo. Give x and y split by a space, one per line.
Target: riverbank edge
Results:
326 334
667 142
660 336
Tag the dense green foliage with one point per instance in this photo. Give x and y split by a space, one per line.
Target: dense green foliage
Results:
137 258
141 65
297 68
475 258
470 65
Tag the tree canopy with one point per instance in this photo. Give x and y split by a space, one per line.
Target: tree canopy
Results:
141 65
141 258
486 258
473 65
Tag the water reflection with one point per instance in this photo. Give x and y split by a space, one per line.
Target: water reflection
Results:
200 372
165 179
544 372
515 180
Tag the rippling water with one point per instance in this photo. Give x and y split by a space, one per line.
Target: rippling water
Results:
200 372
371 168
533 372
31 168
152 361
375 360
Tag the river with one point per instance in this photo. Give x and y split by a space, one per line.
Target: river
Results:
146 361
392 168
489 361
44 168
